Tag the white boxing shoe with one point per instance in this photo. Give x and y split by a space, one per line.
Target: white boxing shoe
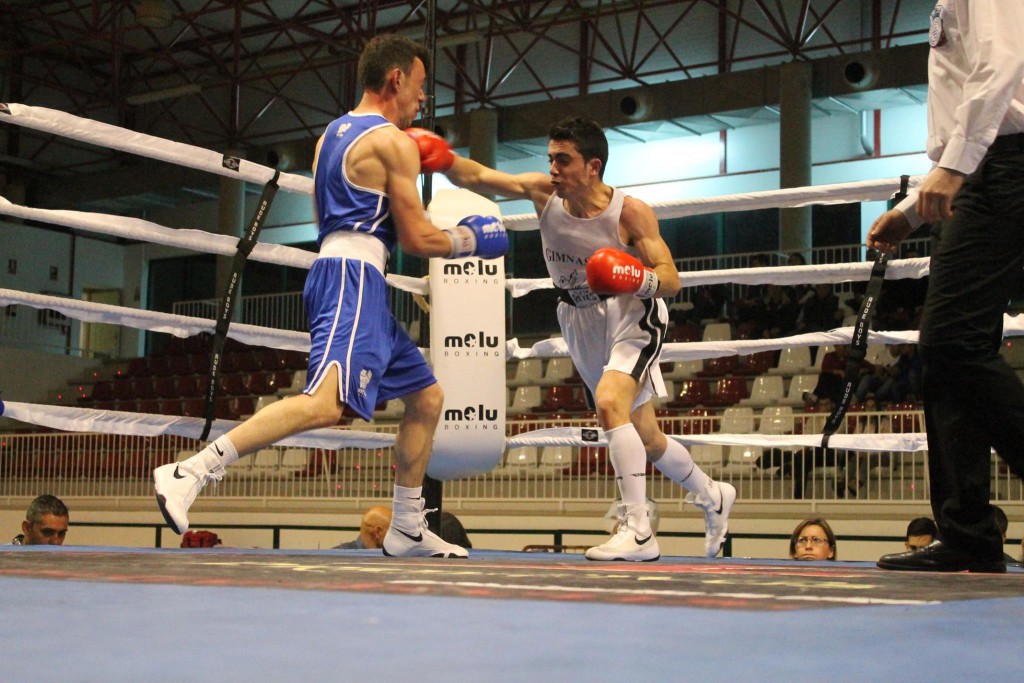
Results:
716 515
176 487
419 541
627 544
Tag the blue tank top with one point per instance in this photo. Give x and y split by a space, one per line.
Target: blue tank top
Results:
340 204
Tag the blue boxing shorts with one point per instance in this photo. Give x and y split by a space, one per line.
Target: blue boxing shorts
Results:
351 327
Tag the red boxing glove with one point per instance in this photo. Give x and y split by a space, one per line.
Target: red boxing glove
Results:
610 271
435 154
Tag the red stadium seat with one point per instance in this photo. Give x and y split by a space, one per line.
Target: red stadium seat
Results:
692 393
729 391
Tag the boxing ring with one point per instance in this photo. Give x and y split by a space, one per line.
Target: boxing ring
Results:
462 450
459 455
223 614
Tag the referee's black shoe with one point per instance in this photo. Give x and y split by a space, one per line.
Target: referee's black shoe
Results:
937 557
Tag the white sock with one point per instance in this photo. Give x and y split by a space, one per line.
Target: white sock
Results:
677 464
406 507
626 451
217 455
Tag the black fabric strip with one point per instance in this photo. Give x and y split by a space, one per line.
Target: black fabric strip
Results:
246 244
858 348
859 341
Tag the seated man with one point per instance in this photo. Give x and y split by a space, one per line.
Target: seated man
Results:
920 532
372 529
46 522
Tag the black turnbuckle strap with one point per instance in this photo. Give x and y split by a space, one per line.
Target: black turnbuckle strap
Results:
246 244
858 348
859 341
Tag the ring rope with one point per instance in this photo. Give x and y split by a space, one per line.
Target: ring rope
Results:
106 135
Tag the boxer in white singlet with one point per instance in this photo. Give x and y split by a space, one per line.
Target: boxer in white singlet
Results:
614 334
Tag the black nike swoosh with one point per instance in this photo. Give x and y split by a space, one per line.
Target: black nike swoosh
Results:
641 541
219 451
176 475
721 503
418 537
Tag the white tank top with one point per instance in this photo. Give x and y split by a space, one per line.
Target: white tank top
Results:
569 241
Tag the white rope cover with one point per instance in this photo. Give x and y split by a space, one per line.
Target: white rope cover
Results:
143 424
113 137
594 436
794 197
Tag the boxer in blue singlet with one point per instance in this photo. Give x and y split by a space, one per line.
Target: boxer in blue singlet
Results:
367 202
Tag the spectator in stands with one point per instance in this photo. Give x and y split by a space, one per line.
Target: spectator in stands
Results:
851 305
797 292
812 539
1004 526
452 530
896 382
46 522
372 529
708 304
200 539
872 422
777 313
832 377
819 311
901 301
920 532
745 310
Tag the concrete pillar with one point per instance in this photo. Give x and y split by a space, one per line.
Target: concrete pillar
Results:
231 220
795 153
483 136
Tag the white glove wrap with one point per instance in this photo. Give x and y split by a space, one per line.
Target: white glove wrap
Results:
649 286
463 241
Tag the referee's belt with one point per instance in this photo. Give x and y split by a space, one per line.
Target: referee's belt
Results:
1011 142
580 297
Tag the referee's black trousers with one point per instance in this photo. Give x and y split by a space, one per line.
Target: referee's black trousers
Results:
973 400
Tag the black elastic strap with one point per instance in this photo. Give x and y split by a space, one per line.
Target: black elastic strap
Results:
858 348
859 341
246 244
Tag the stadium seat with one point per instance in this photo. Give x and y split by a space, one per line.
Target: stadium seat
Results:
767 390
798 385
729 391
293 462
560 371
737 420
555 459
527 371
561 398
717 332
755 363
698 421
681 369
776 420
719 367
793 360
525 400
692 393
520 460
266 462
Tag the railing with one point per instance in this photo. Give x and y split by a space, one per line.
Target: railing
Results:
286 311
105 466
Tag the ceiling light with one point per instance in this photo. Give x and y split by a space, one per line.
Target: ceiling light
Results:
153 14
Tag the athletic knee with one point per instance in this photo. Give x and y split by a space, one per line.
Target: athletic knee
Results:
426 404
322 414
611 412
